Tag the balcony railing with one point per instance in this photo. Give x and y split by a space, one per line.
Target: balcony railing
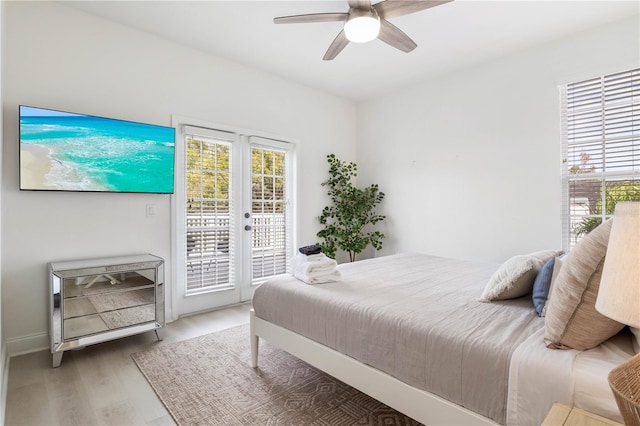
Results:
209 249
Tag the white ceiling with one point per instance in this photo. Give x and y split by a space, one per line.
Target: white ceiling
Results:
449 37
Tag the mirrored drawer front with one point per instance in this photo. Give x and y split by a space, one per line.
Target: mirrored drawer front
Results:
108 320
104 302
86 286
86 315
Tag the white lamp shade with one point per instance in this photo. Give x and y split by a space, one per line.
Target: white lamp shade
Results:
619 292
362 26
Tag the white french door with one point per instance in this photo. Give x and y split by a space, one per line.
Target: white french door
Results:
235 226
269 208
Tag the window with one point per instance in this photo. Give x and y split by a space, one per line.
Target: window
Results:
601 150
269 167
209 214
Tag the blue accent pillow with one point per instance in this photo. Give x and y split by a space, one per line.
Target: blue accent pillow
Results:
542 284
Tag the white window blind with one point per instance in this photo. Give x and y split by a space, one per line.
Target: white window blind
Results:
270 212
209 210
601 149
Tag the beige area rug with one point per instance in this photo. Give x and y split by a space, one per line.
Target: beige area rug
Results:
208 381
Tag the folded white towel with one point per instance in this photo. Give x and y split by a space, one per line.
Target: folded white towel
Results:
318 278
311 257
316 267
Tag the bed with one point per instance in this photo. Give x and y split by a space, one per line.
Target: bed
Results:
408 330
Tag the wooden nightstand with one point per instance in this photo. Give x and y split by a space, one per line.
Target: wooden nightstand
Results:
562 414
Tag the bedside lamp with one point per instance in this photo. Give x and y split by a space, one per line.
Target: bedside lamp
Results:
619 299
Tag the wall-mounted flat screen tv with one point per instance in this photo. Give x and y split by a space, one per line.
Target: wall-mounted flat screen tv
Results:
61 151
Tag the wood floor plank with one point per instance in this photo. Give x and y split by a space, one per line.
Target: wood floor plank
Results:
100 384
21 400
23 372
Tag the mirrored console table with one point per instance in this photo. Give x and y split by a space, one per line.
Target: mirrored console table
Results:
95 300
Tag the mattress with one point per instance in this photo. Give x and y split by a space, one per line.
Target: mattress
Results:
415 317
540 376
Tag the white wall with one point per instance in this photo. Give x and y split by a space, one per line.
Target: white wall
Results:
470 162
57 57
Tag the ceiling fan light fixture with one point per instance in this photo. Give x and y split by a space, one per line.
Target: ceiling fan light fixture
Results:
362 26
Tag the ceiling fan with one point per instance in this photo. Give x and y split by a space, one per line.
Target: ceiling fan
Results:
365 22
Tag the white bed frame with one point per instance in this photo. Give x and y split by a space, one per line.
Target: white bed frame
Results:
420 405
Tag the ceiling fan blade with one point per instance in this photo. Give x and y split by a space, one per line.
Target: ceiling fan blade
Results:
311 17
360 4
336 47
393 36
392 8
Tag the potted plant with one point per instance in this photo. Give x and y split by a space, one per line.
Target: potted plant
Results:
348 220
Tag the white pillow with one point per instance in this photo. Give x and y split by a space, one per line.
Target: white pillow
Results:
514 278
541 257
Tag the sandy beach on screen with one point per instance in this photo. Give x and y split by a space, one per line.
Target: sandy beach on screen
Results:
35 164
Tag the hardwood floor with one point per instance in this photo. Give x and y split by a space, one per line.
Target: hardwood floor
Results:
100 384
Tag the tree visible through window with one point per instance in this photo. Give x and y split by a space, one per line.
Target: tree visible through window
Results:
268 210
208 214
601 149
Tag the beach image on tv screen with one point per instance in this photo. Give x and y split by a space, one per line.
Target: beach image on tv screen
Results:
73 152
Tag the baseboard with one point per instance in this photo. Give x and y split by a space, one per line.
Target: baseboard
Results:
218 308
40 341
4 358
27 344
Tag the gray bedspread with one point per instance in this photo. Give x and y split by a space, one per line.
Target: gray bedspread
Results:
415 317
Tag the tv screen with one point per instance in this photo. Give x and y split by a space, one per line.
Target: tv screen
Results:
61 151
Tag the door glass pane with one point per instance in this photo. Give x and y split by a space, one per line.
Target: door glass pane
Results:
269 223
209 221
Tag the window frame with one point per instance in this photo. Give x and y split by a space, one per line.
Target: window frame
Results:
614 99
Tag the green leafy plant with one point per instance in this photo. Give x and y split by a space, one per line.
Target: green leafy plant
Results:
347 221
623 191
